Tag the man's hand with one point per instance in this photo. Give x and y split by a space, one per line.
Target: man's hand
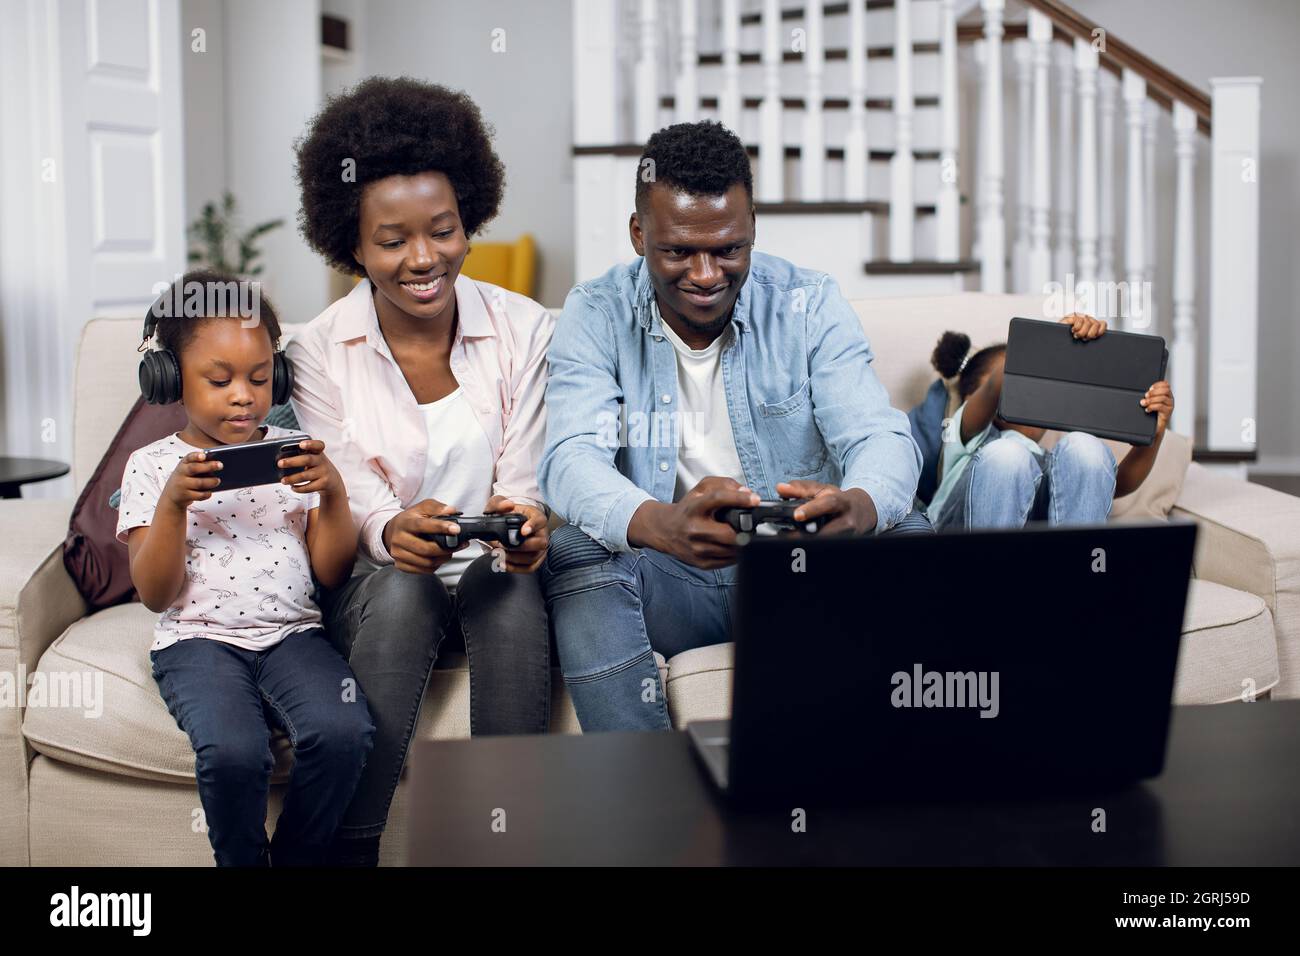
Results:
849 512
688 529
317 471
409 536
1160 399
530 554
194 479
1084 326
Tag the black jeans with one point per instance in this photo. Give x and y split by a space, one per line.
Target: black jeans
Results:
227 699
389 624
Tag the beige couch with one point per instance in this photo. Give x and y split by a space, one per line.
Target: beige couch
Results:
119 788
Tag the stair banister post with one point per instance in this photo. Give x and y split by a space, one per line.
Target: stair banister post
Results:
1040 256
687 93
1023 56
948 202
1151 118
855 139
595 123
1106 88
992 225
729 100
812 157
902 201
1182 349
1234 262
647 72
1136 315
979 58
771 146
1063 254
1086 63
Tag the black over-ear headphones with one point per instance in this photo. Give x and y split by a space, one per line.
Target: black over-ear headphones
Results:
160 369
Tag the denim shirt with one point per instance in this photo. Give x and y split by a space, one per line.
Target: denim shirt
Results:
802 396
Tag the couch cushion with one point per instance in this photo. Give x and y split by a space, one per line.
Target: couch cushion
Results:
1227 641
135 735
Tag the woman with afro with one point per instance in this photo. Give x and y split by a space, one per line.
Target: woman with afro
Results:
427 386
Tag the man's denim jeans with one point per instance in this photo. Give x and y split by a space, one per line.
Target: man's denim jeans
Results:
227 699
610 611
1005 484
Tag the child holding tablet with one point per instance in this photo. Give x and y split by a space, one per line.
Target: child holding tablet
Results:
994 474
239 646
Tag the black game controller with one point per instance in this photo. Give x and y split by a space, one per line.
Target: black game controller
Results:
778 514
504 528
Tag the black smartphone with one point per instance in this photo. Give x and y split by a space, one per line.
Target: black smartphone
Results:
254 462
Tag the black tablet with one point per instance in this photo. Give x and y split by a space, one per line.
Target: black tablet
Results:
1053 380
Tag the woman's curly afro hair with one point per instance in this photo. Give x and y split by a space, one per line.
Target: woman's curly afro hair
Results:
391 126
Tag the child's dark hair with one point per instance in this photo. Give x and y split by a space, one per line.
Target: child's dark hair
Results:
391 126
952 350
205 294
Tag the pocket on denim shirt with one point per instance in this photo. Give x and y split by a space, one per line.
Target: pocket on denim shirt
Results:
792 433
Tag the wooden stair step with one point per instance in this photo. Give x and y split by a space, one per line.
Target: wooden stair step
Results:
1220 456
831 53
791 152
875 206
828 10
885 267
799 103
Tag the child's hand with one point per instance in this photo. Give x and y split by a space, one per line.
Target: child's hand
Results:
193 480
1160 399
1084 326
318 472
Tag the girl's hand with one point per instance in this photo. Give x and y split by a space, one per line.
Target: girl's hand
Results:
528 557
317 472
1084 326
1160 399
193 480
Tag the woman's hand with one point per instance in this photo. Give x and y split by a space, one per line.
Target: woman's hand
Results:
528 557
409 537
1160 399
313 471
1084 326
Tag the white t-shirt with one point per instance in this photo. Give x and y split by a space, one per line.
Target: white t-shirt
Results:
458 470
247 569
708 446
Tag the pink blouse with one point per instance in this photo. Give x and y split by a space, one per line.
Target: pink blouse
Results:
349 392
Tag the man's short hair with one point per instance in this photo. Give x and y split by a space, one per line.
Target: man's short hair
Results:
704 159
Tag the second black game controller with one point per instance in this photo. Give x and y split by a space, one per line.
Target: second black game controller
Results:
778 514
504 528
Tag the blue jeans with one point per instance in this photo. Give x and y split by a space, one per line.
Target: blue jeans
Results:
227 699
1005 484
612 610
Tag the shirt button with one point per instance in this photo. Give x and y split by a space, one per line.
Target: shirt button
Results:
667 398
663 466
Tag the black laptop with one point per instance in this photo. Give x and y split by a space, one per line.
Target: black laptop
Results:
951 665
1053 380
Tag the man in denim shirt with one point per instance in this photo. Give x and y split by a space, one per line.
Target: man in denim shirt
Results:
701 376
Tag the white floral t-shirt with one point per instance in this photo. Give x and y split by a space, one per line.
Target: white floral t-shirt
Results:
247 570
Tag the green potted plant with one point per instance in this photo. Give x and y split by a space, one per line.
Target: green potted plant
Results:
216 243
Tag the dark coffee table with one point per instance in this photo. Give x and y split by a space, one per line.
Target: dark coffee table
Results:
1229 795
16 472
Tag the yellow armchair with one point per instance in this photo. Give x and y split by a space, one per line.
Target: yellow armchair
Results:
511 265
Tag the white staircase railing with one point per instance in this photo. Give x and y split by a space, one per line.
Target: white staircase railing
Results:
858 115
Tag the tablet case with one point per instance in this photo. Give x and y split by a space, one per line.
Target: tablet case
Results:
1053 380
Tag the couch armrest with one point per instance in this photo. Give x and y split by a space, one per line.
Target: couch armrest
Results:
1249 539
38 601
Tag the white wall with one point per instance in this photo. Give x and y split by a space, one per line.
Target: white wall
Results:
525 92
1199 39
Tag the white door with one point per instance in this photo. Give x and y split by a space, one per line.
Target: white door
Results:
95 175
